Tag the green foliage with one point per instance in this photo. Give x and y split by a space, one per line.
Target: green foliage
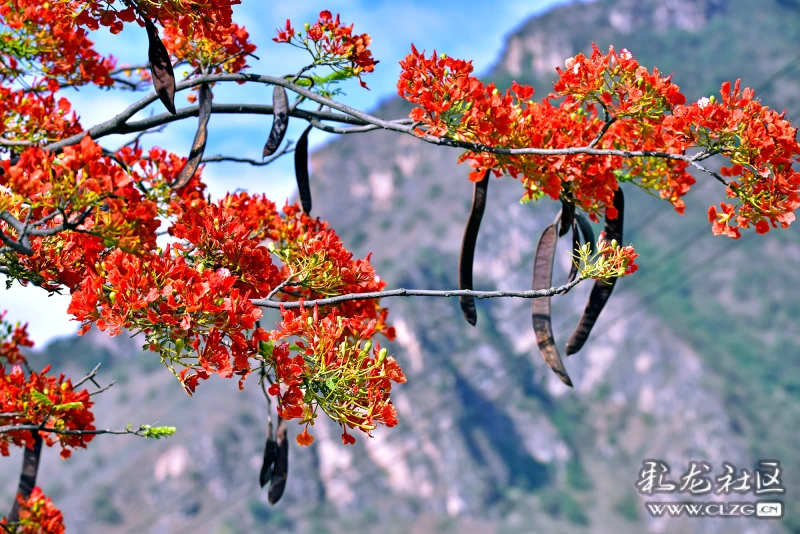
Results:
154 432
561 505
103 507
628 507
577 477
261 512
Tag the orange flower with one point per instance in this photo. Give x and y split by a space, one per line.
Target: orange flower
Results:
304 439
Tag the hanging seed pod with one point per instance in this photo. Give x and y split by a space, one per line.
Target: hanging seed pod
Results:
160 67
566 219
301 171
200 138
280 121
542 324
576 247
280 469
468 247
270 454
601 290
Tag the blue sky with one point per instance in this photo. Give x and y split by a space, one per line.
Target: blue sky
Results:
464 29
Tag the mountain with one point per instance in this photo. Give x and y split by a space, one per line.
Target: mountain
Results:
695 358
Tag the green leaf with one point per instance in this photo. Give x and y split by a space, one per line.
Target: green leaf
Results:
157 432
331 383
41 398
70 406
265 347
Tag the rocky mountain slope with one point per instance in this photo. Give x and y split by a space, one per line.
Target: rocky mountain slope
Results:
695 358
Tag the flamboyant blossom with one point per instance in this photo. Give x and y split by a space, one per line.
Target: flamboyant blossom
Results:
643 111
333 44
37 399
338 370
37 515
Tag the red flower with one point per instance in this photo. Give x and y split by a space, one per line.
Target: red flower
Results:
304 439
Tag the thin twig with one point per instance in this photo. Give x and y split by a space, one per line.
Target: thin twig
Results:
279 287
287 149
35 428
88 377
609 120
106 388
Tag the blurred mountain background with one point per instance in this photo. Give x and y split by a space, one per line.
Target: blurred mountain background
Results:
696 357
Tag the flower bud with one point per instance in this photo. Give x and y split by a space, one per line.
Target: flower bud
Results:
712 99
271 246
310 320
113 296
367 346
201 268
443 55
382 355
613 243
306 26
64 386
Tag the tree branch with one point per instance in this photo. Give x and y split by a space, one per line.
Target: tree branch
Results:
38 428
118 124
532 294
287 149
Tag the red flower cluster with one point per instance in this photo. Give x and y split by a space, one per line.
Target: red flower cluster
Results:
12 339
650 114
49 43
173 303
221 239
455 104
35 117
616 258
204 19
617 80
79 180
229 54
37 515
761 146
333 44
38 399
333 372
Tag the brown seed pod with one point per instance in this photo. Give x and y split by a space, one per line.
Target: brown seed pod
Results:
270 454
601 290
468 247
160 67
281 466
200 138
280 121
542 324
301 171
